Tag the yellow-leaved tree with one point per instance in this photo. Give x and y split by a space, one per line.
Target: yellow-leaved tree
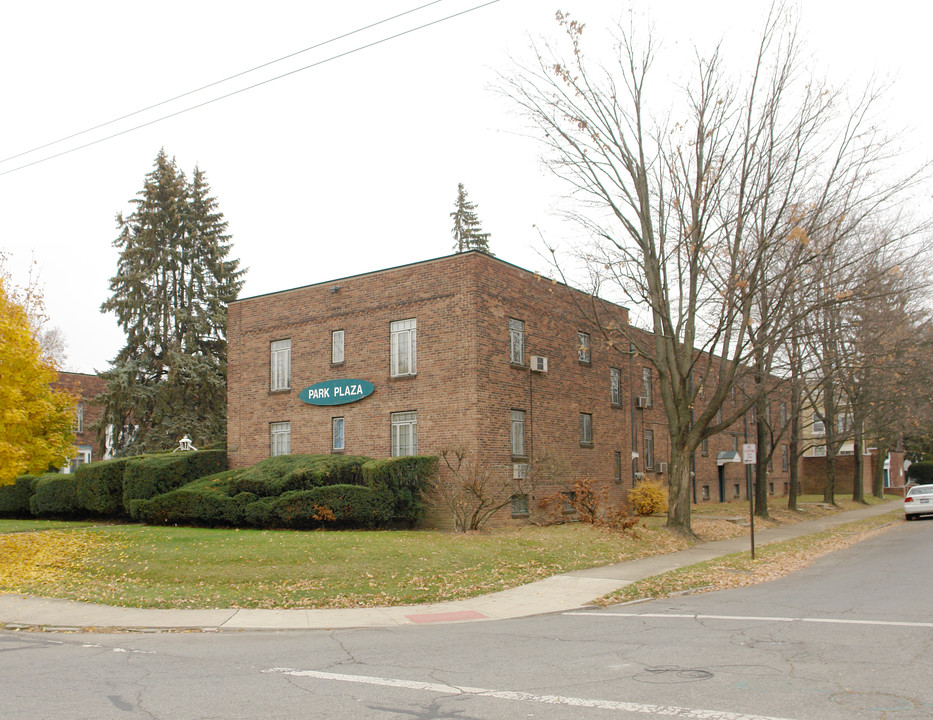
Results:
35 420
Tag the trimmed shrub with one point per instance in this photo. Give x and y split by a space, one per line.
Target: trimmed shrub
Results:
14 499
406 479
285 473
99 486
147 476
202 502
648 497
330 505
55 496
921 472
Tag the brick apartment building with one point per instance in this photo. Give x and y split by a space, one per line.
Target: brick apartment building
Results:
464 351
87 412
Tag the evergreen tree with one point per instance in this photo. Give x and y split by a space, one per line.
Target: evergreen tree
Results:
173 282
467 232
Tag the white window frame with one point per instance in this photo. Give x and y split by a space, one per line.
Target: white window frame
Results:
646 381
517 432
516 341
586 428
818 428
649 449
785 458
280 364
583 347
338 433
336 347
79 418
615 386
404 433
404 347
280 439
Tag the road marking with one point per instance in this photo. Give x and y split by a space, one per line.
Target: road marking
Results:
753 618
657 710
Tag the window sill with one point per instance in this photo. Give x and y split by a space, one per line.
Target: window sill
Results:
520 516
519 458
518 366
338 452
338 364
409 376
280 391
586 444
615 404
585 363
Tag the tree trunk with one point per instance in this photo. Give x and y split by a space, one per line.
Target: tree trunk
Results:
858 484
877 479
678 508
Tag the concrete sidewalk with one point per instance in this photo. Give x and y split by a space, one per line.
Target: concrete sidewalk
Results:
555 594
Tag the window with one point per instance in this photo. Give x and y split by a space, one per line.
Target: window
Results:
519 471
516 342
649 449
517 432
79 418
735 443
336 344
281 363
615 386
583 347
844 422
82 457
705 492
818 427
519 506
586 429
819 451
785 458
646 385
783 414
617 467
337 425
281 438
736 491
704 447
718 418
404 433
404 347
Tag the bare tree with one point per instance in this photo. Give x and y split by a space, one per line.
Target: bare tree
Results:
704 219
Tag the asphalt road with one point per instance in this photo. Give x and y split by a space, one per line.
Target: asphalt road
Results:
848 638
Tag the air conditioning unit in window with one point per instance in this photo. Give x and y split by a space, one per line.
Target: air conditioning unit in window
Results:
662 468
641 402
538 364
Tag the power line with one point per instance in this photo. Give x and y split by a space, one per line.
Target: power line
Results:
241 90
219 82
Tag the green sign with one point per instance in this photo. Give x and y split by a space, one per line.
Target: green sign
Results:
336 392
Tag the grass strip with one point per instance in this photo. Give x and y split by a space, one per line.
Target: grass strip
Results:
737 570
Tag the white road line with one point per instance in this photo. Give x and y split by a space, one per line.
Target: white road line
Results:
753 618
657 710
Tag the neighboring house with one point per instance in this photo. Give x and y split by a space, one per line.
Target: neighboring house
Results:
464 351
87 413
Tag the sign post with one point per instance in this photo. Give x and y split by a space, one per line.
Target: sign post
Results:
749 457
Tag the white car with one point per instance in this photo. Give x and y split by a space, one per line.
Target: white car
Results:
918 501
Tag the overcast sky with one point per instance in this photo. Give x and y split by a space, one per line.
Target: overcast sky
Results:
351 165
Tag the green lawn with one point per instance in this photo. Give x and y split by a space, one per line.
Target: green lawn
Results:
176 567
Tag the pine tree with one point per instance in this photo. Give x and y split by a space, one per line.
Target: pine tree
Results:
174 280
467 232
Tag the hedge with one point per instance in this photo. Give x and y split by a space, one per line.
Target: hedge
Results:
147 476
55 496
326 506
99 486
922 472
285 473
406 479
202 502
14 499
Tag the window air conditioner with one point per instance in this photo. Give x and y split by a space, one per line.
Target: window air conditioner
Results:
641 402
538 363
662 467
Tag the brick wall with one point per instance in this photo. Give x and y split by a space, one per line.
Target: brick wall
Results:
86 388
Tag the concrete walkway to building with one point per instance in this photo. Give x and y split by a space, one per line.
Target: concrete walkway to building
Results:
560 593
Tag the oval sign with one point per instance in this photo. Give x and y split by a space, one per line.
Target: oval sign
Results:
336 392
